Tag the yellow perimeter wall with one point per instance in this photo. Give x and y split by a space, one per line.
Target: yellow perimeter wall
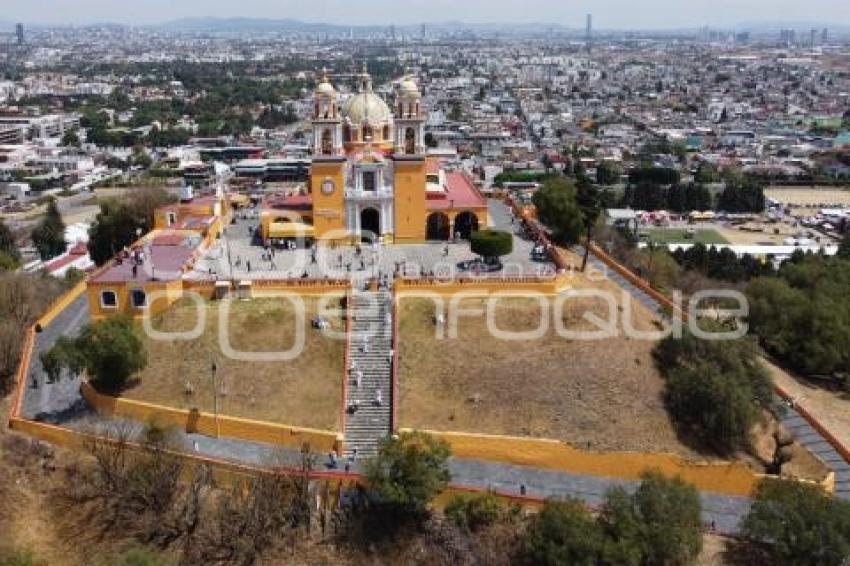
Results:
728 478
542 285
207 424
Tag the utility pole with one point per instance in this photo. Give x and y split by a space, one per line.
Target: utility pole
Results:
213 368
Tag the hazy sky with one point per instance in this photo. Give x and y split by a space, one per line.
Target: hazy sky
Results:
629 14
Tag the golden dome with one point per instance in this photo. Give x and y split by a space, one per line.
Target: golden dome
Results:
366 107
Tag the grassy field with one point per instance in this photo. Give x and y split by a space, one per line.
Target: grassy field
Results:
706 236
601 394
305 391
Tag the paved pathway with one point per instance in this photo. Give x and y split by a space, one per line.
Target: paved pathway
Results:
57 401
818 445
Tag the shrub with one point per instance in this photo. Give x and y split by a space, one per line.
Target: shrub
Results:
473 512
491 243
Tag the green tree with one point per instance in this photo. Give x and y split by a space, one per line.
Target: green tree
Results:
71 139
844 247
659 267
608 173
455 111
563 532
114 228
48 236
802 316
623 528
590 205
797 523
474 512
409 471
110 351
706 173
491 243
713 389
557 208
10 257
741 194
140 157
669 511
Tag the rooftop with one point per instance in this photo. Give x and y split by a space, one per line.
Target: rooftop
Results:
165 256
460 192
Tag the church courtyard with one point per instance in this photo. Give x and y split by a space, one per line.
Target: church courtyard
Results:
231 256
304 391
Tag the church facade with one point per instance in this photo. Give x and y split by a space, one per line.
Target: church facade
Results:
370 177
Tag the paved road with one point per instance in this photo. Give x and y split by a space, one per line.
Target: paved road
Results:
57 401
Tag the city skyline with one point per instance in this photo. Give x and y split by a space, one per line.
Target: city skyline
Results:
610 14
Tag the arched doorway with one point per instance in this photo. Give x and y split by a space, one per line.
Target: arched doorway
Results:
409 141
370 224
437 227
465 224
327 142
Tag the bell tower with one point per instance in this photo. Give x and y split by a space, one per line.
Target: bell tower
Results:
409 164
410 121
327 122
327 170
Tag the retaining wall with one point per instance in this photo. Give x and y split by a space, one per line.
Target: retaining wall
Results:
209 425
722 477
485 286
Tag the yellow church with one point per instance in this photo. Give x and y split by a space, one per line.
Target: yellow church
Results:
370 177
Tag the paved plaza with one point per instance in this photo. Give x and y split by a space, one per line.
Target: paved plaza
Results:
238 256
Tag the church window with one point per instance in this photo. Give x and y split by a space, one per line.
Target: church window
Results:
369 181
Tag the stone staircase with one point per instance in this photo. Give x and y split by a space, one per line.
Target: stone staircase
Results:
369 357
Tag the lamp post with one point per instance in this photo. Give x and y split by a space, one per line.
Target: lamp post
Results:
213 368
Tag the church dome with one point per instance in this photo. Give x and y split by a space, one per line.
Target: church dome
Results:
408 85
366 107
325 88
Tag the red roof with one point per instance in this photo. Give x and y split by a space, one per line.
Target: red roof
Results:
291 202
460 193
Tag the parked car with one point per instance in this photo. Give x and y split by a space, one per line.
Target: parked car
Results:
481 265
